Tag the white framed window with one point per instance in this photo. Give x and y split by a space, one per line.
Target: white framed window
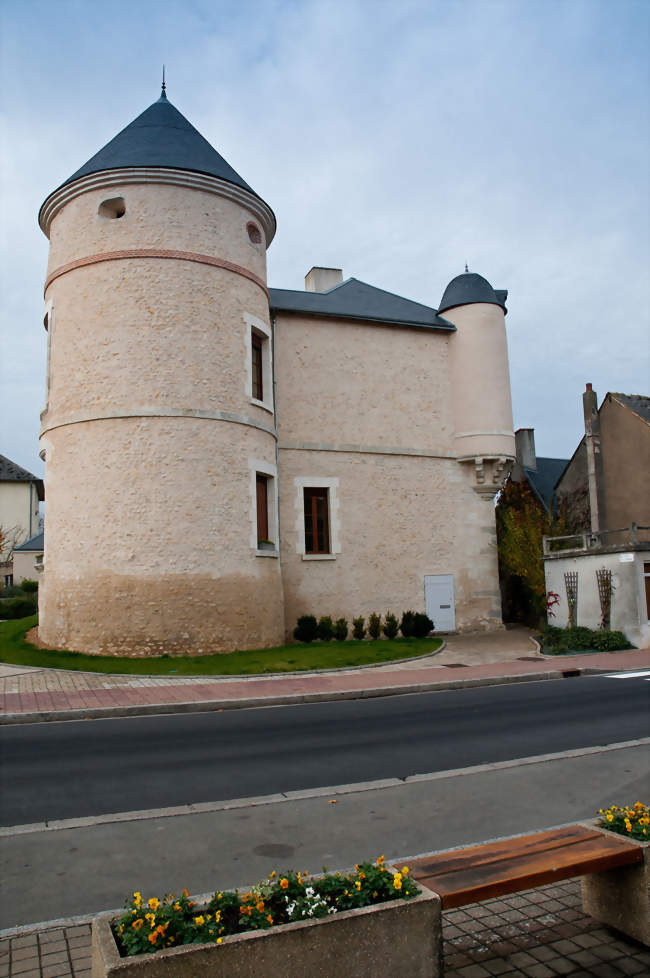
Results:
259 362
264 536
317 525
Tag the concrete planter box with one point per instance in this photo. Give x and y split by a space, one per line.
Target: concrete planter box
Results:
388 939
620 898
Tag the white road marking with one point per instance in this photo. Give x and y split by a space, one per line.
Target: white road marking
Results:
628 675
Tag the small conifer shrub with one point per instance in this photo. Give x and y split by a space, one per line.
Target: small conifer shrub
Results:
341 629
358 627
307 629
422 625
391 625
374 625
407 623
325 629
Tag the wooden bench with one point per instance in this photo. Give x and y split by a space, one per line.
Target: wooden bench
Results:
614 870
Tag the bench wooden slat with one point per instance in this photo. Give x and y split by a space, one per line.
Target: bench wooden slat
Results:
450 862
481 872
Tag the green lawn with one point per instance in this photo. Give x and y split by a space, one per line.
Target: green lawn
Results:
284 658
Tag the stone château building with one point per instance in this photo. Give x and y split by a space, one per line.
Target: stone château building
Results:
222 457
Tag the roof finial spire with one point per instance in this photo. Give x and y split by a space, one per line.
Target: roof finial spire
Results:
466 268
163 92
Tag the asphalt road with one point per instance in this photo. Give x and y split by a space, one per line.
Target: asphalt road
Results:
72 769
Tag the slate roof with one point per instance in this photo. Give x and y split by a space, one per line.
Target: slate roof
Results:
354 299
36 543
11 472
161 137
544 479
468 288
638 403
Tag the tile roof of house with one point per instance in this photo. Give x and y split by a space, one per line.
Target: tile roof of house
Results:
160 136
35 543
468 288
638 403
354 299
544 478
12 472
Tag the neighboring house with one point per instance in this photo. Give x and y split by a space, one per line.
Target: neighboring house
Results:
602 576
28 559
20 494
223 457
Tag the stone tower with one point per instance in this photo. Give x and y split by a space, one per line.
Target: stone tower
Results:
153 432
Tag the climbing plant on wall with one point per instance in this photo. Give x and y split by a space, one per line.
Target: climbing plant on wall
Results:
521 522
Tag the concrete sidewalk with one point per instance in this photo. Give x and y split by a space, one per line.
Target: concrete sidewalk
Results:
36 694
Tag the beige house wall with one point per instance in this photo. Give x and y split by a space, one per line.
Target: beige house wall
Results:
366 410
28 565
19 515
625 439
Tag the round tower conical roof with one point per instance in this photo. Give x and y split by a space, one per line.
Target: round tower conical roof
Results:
160 136
468 288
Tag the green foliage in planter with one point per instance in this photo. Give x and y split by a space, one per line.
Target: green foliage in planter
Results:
632 821
407 624
341 629
374 625
358 628
580 639
325 629
155 924
18 607
422 625
391 626
29 586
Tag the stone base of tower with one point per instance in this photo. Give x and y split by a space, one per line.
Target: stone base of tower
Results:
177 615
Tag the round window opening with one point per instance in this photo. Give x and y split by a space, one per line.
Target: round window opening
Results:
113 208
254 233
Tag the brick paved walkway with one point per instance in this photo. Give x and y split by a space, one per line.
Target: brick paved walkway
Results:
541 933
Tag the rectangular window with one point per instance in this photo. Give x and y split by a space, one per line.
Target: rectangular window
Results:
262 508
257 366
317 529
646 577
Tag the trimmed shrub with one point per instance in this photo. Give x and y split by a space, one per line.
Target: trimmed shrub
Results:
358 627
325 629
341 629
610 641
29 586
307 629
407 623
422 625
374 625
391 626
17 607
11 591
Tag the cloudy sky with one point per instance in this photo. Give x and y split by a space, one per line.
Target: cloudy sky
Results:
397 140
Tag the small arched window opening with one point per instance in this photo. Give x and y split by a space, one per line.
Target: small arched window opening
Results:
113 208
254 233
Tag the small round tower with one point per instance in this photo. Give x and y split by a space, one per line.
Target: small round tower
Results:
480 377
159 428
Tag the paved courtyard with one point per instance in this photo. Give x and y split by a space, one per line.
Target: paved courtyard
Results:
541 933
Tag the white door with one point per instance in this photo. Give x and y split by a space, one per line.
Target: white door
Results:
439 601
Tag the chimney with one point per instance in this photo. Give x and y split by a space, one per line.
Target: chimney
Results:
525 448
323 279
594 459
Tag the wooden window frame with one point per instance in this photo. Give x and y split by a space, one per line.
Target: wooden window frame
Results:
312 494
257 365
262 502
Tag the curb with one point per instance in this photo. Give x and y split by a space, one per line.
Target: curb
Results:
292 699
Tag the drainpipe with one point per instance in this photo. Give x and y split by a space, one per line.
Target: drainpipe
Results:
31 487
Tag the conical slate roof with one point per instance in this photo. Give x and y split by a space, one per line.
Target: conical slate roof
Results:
468 288
161 137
